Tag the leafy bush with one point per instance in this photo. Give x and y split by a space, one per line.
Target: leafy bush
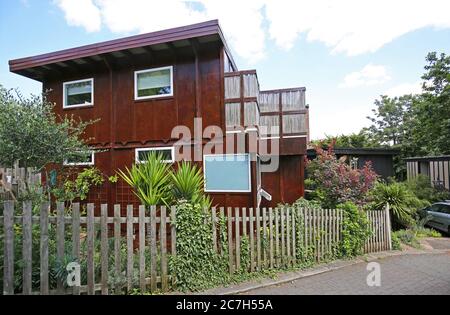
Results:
407 237
421 187
80 187
197 266
333 181
402 203
355 230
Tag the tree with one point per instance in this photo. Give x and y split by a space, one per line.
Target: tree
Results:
333 181
431 128
390 117
33 135
354 140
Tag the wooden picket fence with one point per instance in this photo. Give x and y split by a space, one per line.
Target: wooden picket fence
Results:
274 238
14 179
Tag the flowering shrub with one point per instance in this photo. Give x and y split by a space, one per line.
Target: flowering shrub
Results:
333 181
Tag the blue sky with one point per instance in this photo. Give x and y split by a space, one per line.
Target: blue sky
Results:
345 58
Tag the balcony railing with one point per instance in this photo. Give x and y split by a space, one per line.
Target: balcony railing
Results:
284 113
241 99
276 113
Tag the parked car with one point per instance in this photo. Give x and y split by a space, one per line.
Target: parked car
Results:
439 216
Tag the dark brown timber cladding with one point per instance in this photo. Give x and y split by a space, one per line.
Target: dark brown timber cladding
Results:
200 57
285 185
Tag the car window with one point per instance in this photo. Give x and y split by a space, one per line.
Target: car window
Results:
445 209
436 207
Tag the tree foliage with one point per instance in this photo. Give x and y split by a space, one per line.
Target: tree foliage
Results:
31 133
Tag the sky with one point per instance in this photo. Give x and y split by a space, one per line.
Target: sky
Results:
345 52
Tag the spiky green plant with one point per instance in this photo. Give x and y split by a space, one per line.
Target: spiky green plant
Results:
150 180
402 203
188 184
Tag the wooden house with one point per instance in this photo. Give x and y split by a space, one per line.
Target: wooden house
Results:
142 87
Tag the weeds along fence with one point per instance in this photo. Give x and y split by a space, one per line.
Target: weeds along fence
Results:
120 253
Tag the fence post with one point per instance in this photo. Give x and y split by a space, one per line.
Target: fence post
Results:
90 250
388 227
104 248
173 237
8 265
163 243
252 240
142 283
130 253
44 248
27 247
60 229
214 228
230 239
76 238
153 249
117 245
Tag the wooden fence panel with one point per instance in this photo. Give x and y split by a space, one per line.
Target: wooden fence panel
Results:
272 234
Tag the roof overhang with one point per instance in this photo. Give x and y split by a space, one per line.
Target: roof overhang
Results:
359 151
36 67
429 158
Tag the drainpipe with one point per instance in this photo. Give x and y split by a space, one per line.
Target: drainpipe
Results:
111 132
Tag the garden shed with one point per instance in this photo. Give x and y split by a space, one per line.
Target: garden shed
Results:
437 168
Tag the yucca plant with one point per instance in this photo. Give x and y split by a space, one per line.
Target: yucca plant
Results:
402 203
188 184
150 180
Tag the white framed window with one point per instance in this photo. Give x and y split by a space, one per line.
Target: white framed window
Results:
153 83
78 93
89 160
168 154
227 172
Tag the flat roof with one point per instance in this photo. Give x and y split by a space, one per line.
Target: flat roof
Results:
429 158
360 151
210 30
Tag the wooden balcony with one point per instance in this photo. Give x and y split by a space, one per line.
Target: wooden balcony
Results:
281 114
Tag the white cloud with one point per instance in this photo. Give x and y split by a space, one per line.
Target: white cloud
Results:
352 26
404 88
242 26
81 13
367 76
347 26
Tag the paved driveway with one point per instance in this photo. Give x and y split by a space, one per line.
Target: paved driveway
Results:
408 274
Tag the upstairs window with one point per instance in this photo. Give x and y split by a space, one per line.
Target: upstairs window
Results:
78 93
167 153
153 83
